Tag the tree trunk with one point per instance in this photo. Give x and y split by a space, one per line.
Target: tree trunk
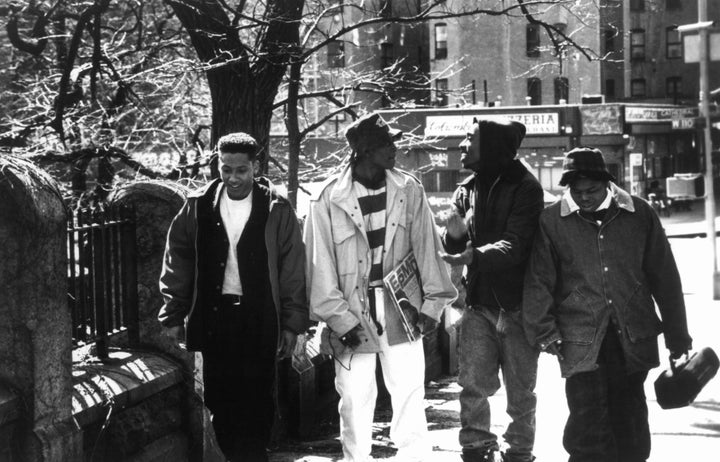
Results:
293 128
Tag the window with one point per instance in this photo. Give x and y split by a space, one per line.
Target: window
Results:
610 35
387 57
637 44
532 35
562 89
441 92
637 5
673 88
534 91
440 41
610 88
673 4
385 8
336 54
637 88
673 43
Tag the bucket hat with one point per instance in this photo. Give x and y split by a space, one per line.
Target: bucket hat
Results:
584 162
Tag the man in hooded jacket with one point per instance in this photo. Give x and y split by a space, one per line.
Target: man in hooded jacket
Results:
494 220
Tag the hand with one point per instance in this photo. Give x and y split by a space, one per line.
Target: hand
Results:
286 344
555 348
176 334
410 312
427 324
352 338
463 258
456 226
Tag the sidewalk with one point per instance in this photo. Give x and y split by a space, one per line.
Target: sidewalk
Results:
690 433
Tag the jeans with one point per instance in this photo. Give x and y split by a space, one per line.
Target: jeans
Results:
608 419
491 341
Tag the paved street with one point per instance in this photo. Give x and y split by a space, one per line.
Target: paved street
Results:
691 433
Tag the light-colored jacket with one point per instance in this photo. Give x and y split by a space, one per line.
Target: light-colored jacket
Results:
581 275
339 258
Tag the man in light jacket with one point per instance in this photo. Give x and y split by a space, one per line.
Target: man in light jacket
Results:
360 226
233 274
600 263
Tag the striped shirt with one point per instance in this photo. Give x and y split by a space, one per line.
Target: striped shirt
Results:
372 206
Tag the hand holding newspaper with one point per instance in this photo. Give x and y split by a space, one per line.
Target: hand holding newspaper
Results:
404 287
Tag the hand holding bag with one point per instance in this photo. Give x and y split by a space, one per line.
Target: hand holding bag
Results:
679 385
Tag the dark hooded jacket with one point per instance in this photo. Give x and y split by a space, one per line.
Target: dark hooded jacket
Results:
504 207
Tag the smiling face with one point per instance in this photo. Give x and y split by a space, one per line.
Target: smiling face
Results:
237 171
588 194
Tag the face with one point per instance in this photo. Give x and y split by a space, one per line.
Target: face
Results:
470 149
588 194
382 156
237 171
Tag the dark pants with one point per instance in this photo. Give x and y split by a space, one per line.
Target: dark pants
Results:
239 376
608 419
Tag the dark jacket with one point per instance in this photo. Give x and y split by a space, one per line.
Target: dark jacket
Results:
285 264
502 229
581 276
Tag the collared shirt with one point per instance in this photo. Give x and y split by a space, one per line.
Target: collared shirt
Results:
572 205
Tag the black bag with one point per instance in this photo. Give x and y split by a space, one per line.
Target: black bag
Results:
680 385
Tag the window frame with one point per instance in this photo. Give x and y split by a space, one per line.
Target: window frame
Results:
637 47
634 83
676 45
532 41
561 87
534 91
441 92
441 52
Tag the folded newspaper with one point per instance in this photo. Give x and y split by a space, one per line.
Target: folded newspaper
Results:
404 282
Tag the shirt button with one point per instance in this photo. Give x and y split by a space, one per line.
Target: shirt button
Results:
217 224
218 287
610 302
214 308
222 264
602 237
606 268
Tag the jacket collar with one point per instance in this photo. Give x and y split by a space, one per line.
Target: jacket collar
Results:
342 190
620 197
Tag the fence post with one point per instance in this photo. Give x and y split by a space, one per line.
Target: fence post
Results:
34 317
155 205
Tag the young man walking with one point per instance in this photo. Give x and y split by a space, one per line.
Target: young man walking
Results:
600 263
360 226
495 217
234 275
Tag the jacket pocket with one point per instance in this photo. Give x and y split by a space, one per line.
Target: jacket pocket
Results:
642 321
345 247
577 319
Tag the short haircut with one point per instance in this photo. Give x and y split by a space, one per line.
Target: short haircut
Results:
238 142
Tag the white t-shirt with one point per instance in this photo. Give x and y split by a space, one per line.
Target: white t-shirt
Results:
235 215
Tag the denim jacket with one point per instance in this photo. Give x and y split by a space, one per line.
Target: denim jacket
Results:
584 278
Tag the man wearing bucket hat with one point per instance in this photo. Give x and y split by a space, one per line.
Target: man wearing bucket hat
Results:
600 263
360 226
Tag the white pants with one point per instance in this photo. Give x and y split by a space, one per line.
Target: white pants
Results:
403 369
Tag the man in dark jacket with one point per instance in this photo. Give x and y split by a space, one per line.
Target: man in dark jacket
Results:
495 219
234 267
600 258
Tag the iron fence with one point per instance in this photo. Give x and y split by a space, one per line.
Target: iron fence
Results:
102 276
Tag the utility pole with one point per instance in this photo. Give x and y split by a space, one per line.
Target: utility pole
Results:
703 28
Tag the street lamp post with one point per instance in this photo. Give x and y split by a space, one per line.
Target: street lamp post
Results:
702 27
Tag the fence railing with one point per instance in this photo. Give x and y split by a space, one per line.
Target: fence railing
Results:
102 276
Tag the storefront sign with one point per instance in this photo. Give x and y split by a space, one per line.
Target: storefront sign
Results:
603 119
538 123
658 114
